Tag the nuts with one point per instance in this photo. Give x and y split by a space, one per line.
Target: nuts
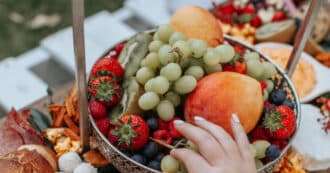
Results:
245 33
292 162
64 140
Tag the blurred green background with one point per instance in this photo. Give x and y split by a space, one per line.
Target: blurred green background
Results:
17 34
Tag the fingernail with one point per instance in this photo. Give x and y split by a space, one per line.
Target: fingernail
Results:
172 151
234 117
198 118
178 122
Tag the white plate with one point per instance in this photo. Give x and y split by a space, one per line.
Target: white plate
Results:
322 72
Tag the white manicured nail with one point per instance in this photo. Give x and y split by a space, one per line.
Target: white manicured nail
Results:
178 122
234 117
198 118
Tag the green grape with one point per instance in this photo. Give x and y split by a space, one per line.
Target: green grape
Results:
165 54
160 85
143 63
251 56
183 48
195 71
270 85
192 146
185 84
169 164
173 97
182 168
176 36
213 69
148 85
198 47
164 33
269 70
266 94
225 52
155 37
155 45
148 101
253 150
258 163
211 57
171 71
196 62
165 110
260 146
144 74
254 69
152 60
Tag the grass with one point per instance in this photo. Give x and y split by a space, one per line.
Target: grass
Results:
16 38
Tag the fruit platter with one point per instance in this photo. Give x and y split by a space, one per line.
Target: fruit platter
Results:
272 21
140 86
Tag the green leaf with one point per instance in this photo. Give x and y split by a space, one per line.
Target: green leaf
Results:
39 119
245 18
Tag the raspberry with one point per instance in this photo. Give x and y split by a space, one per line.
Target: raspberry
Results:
259 133
162 125
172 130
163 135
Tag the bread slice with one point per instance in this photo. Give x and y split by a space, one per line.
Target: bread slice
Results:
24 161
47 153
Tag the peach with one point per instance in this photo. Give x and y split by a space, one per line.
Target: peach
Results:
219 95
196 22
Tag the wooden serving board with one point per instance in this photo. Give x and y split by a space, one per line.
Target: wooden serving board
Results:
59 94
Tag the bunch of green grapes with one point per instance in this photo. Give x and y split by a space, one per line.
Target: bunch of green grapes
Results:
260 71
173 66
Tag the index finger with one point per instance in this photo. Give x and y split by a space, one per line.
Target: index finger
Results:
209 148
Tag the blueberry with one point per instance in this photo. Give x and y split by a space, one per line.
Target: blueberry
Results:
154 164
159 157
150 150
277 96
288 103
139 158
152 123
273 152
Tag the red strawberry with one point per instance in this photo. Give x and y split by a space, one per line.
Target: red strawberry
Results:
239 67
280 143
162 125
106 90
172 130
119 47
163 135
280 122
248 10
239 50
103 124
112 138
259 133
107 66
263 85
131 132
279 16
256 21
267 104
226 8
117 50
97 109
